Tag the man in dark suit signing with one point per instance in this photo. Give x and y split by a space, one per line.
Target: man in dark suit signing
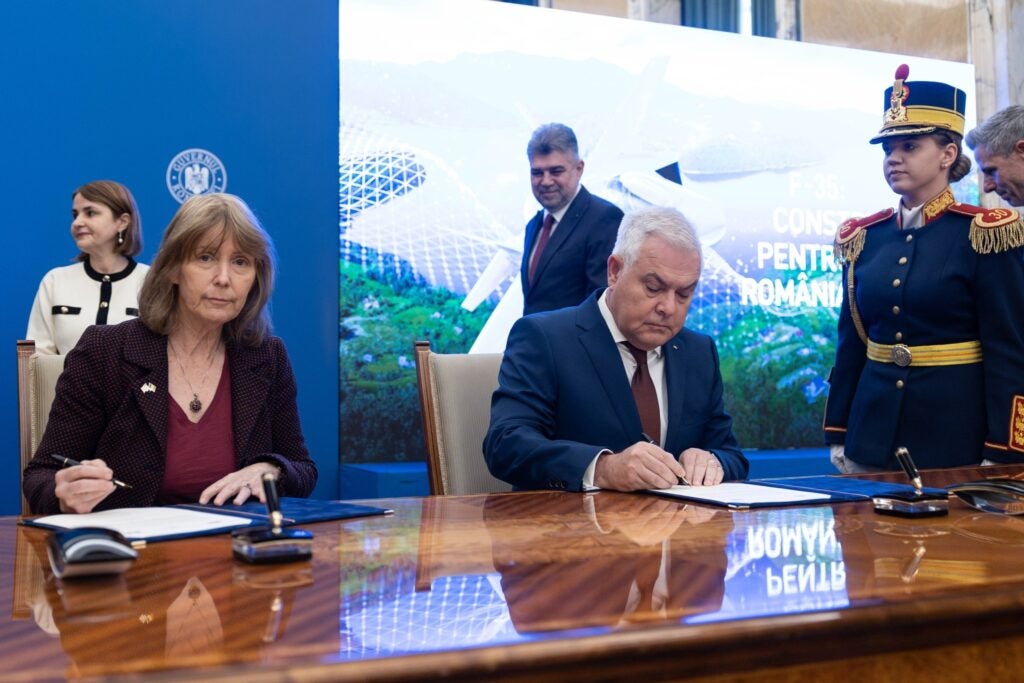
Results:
567 244
614 393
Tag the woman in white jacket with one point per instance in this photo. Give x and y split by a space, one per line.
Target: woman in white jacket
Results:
102 287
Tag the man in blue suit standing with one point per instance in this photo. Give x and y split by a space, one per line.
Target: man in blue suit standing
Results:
614 393
568 243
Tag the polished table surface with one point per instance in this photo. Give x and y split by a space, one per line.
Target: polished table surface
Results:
544 586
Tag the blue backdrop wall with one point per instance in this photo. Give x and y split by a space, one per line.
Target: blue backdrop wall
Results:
115 89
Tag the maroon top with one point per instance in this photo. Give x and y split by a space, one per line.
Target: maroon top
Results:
198 453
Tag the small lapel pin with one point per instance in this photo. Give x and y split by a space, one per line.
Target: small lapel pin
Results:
148 387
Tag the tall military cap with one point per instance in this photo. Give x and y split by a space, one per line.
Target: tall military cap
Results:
921 107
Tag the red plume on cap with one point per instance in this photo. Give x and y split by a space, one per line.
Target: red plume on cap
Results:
902 71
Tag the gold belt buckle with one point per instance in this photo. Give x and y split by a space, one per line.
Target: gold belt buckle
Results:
901 355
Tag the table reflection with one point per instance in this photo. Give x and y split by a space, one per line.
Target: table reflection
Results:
489 571
609 561
782 561
421 581
903 558
446 574
178 609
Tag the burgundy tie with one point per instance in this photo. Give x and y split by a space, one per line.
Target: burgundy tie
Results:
542 241
644 394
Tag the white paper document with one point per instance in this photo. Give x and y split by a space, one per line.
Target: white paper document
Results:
739 494
148 523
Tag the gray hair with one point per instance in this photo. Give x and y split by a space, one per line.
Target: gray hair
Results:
656 221
1000 132
553 137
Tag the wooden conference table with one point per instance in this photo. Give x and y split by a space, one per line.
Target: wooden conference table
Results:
545 586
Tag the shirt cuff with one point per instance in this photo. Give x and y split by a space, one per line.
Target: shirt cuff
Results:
588 474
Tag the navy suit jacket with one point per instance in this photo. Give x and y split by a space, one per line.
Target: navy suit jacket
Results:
575 261
111 403
563 396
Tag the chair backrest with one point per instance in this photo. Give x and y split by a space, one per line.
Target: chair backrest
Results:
37 379
455 401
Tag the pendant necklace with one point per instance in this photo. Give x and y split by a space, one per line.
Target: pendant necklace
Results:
195 405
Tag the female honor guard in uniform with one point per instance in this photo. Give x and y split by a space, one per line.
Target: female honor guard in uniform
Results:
930 353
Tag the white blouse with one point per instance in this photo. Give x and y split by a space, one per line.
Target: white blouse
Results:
72 298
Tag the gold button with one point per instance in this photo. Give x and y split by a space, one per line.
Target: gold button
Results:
895 310
63 309
899 336
103 304
903 260
106 278
899 384
910 238
896 282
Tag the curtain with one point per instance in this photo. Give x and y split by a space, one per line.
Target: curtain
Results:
712 14
764 17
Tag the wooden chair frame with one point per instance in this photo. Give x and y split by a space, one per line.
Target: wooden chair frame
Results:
25 349
444 470
423 381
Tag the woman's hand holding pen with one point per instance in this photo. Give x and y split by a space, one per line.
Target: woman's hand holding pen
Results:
79 488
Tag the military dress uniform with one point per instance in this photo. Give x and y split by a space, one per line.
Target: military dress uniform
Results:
930 352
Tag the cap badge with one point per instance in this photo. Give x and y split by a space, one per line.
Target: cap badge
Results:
897 112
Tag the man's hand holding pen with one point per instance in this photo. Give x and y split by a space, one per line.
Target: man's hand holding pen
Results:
646 465
641 466
702 467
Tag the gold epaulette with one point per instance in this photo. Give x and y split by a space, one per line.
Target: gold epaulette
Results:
850 235
992 230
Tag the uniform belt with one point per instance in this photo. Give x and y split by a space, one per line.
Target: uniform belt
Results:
960 353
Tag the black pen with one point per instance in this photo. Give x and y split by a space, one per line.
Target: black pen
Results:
71 462
903 457
648 439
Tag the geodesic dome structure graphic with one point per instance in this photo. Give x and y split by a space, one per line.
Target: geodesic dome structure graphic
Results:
404 206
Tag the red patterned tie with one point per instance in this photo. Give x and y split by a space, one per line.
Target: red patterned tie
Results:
542 241
644 394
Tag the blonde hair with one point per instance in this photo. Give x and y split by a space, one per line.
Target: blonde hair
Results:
205 221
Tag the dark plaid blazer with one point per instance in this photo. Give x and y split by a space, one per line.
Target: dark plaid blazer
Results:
112 402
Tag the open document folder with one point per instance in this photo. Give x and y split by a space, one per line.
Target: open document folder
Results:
185 521
789 491
739 495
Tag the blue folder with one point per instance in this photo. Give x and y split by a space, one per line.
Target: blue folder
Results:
294 510
849 488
